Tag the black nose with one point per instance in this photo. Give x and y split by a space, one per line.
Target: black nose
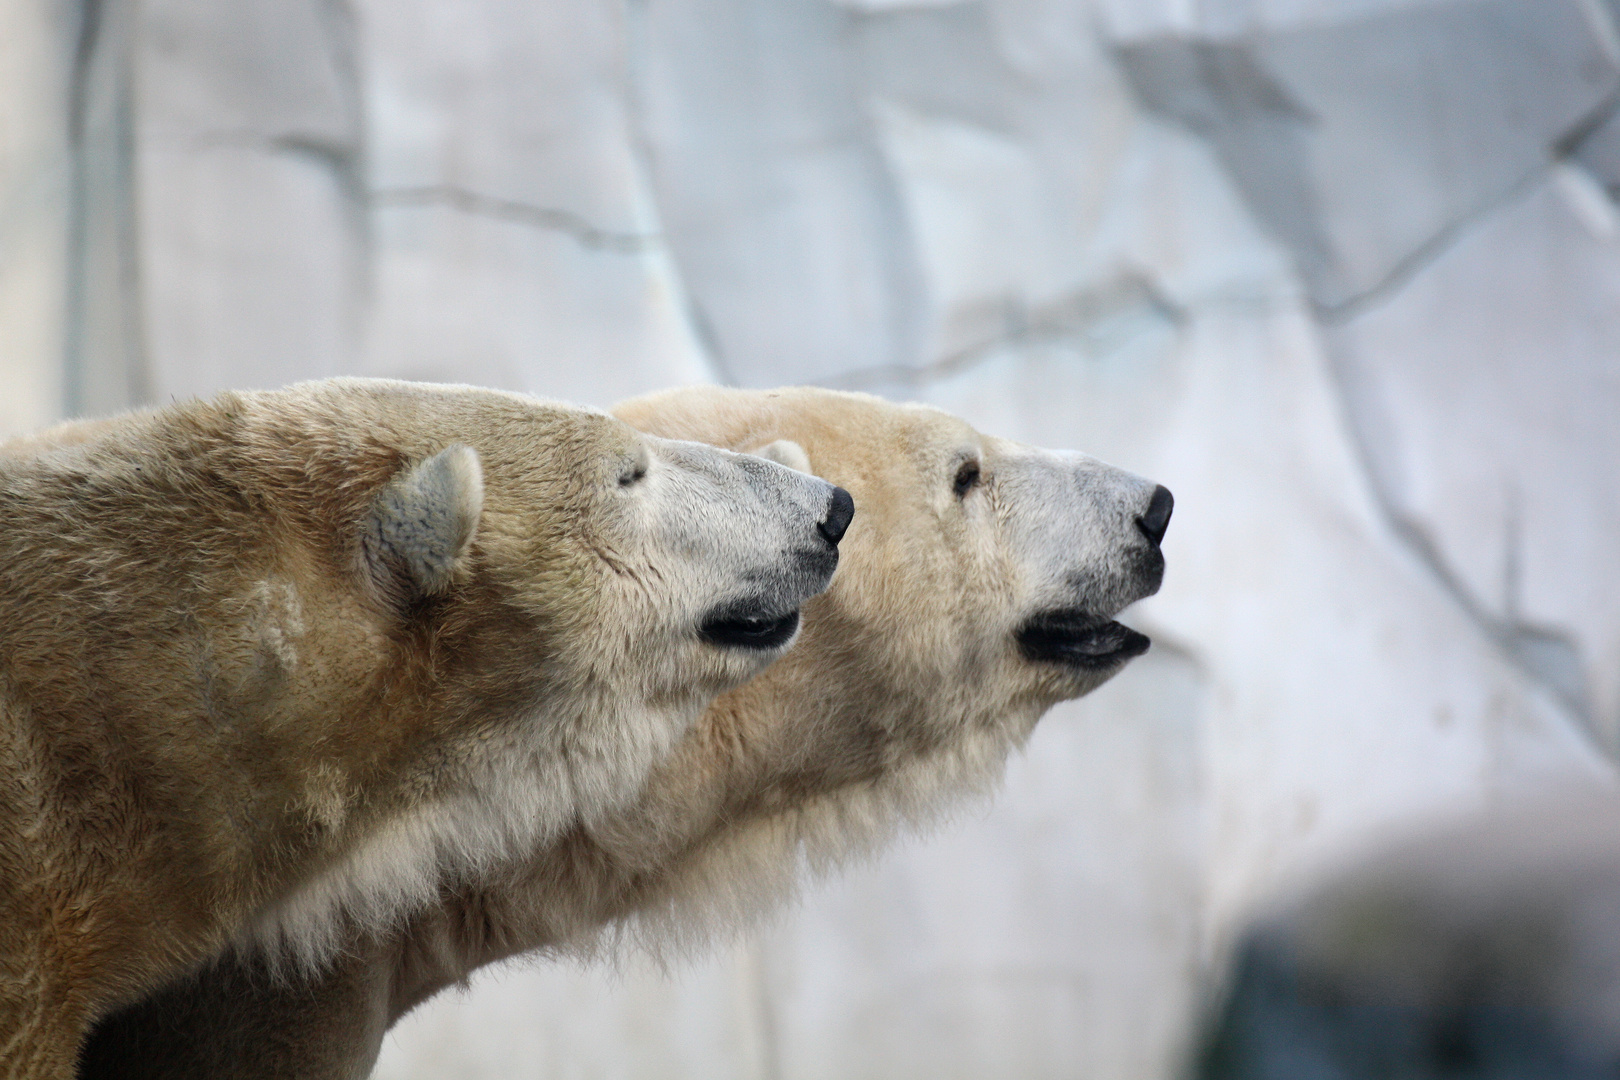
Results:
839 511
1157 518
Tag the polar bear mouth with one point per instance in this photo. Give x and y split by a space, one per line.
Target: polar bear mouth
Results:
1076 639
734 628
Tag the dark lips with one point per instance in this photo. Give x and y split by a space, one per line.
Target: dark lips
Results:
1079 640
748 630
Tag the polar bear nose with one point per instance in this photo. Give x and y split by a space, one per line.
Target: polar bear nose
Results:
1157 517
839 512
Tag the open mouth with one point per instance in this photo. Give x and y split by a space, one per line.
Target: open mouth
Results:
734 628
1077 639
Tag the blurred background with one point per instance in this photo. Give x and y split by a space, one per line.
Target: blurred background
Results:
1343 274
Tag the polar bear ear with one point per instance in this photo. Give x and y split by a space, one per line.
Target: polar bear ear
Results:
784 452
421 525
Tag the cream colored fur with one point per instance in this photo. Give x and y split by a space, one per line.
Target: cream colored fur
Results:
905 693
278 668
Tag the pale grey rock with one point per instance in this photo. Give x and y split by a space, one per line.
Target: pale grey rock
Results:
469 297
1598 151
524 103
251 261
515 240
1101 228
104 366
1369 160
1228 19
1486 391
36 169
776 201
702 1020
1357 148
965 105
262 71
247 146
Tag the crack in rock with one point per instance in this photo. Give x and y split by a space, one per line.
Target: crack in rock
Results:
1435 247
340 158
1425 255
1545 656
1266 140
539 217
104 361
1097 321
1221 93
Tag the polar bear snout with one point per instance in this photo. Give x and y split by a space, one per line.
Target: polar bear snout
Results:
760 539
815 564
1147 563
1089 535
769 618
840 511
1153 521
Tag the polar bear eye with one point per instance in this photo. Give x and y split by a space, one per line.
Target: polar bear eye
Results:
967 478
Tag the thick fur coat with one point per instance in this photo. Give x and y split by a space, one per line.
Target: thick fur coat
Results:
978 587
277 668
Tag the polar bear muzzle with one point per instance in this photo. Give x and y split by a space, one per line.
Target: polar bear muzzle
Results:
1079 640
1129 518
770 619
750 628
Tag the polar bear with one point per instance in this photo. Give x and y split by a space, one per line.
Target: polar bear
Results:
280 665
978 587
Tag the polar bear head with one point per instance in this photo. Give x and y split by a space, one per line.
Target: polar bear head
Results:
993 569
979 586
553 594
375 635
572 580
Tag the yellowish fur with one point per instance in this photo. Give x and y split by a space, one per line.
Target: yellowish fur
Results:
277 668
904 695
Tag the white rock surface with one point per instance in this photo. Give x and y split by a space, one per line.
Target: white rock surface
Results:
1341 273
515 240
36 184
1357 149
247 147
1487 386
776 201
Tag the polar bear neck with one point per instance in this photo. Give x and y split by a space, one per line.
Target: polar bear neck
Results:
528 786
688 862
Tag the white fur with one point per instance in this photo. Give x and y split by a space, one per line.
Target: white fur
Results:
785 452
635 691
427 517
743 876
526 788
405 862
277 615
